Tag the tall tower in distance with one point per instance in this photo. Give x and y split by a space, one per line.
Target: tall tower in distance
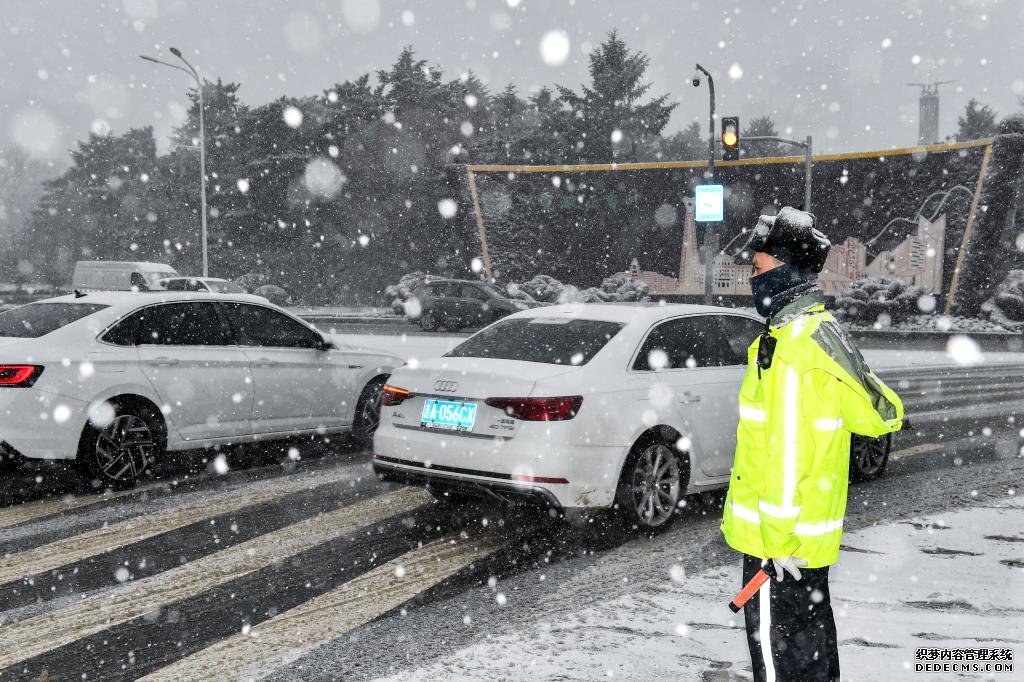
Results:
928 114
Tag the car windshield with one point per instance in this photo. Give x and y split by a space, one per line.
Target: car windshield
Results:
550 340
39 319
224 287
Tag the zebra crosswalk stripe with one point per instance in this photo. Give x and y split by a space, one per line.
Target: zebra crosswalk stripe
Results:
29 511
286 637
111 536
36 635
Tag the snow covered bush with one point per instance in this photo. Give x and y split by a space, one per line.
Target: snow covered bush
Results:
259 284
883 300
1006 307
619 287
274 294
622 287
251 281
515 291
544 288
399 293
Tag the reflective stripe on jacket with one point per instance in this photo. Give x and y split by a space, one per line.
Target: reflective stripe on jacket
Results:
787 493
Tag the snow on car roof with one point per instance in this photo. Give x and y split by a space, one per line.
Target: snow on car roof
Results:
624 312
197 279
133 299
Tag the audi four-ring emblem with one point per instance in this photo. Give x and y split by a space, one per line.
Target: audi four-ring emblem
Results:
446 386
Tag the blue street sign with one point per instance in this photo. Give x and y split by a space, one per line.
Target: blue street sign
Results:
710 204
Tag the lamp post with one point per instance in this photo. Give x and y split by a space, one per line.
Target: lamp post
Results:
191 70
710 245
711 116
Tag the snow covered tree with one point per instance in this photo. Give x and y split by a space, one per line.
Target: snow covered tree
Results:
977 121
758 127
22 179
611 123
103 206
689 144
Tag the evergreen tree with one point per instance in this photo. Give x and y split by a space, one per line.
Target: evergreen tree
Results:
22 179
977 121
610 107
103 207
689 144
761 126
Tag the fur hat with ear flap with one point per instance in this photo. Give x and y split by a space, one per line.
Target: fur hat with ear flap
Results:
792 238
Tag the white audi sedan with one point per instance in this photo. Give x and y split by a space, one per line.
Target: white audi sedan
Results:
114 379
575 407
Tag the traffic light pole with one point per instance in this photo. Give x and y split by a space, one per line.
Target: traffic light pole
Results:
808 160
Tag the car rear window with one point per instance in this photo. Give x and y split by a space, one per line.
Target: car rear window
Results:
550 340
39 319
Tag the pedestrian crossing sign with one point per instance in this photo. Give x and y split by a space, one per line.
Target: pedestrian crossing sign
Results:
710 204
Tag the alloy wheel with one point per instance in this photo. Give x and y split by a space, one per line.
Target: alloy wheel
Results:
655 485
869 455
369 412
367 417
124 448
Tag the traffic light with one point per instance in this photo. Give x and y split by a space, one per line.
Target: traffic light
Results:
730 138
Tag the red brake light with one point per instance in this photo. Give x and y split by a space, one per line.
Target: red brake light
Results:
19 376
539 409
393 395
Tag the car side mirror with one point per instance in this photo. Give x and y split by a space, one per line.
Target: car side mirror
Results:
326 344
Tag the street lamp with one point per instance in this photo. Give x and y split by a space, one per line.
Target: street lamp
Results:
711 116
710 246
202 142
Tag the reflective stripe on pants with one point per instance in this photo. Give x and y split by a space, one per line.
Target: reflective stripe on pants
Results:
796 617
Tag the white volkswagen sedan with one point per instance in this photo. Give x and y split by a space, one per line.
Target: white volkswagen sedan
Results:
575 407
113 379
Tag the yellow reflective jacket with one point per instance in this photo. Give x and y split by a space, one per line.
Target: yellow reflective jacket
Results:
787 493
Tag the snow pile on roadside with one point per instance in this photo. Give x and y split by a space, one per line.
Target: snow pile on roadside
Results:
341 311
935 323
954 580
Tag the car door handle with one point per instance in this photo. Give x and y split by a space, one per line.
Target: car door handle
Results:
688 397
267 362
164 361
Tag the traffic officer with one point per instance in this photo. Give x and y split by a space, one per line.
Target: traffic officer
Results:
806 389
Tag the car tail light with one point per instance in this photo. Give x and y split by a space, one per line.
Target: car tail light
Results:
19 376
393 395
539 409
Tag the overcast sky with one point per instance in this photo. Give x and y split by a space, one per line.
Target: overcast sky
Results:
836 70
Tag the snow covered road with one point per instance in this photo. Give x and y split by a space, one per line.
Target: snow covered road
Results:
943 580
300 565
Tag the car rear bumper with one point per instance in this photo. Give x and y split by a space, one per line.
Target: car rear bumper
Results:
477 485
41 425
534 465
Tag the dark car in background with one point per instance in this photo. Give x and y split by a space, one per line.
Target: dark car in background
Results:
455 304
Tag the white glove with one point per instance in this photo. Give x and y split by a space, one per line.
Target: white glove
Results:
792 564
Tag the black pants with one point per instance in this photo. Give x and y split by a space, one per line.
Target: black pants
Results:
798 623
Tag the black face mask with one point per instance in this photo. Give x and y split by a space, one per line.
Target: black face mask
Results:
770 288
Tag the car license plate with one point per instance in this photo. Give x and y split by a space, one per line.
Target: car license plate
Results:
448 414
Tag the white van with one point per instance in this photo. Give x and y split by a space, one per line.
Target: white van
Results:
110 275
